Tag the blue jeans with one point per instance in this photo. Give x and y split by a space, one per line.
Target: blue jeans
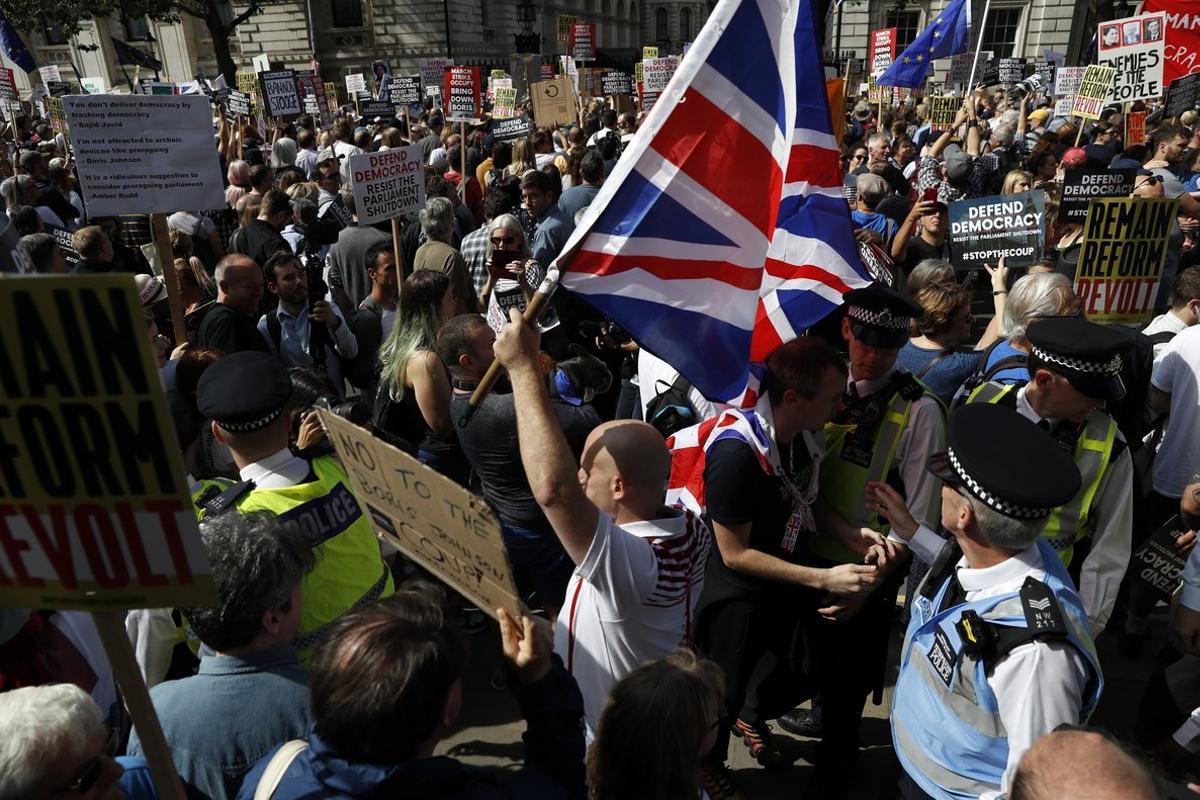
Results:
541 567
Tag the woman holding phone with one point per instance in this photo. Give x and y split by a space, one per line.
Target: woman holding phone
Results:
512 274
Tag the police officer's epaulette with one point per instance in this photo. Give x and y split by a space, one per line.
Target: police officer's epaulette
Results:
1043 615
908 386
225 500
210 492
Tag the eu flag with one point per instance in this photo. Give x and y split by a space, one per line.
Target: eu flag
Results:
14 46
131 55
949 34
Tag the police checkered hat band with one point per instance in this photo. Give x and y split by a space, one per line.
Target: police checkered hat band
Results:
1098 369
879 319
993 502
251 425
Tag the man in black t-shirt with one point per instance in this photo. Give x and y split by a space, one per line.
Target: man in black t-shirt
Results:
231 324
755 583
922 235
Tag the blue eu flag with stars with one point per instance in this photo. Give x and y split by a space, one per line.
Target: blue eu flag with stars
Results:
14 47
949 34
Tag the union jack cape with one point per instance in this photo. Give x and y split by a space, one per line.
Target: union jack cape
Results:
722 231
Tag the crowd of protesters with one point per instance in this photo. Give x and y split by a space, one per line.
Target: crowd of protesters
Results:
942 412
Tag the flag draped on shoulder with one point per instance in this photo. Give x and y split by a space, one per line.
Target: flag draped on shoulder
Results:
14 45
722 231
947 35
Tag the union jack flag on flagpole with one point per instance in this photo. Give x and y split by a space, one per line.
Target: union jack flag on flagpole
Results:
722 231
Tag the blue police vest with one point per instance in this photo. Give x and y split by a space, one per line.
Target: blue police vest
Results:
946 724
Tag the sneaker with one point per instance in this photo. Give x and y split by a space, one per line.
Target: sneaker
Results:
717 781
802 722
760 741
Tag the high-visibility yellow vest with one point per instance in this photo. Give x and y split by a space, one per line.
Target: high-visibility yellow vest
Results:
1093 452
843 482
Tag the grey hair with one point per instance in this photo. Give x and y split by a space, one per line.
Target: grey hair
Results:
1002 134
872 188
930 270
257 561
437 218
39 726
1006 533
508 222
1035 296
346 192
13 190
878 138
283 153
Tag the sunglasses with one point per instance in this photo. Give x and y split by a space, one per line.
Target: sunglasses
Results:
499 240
86 778
858 158
1148 180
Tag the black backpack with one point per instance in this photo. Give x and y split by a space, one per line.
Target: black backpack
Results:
1130 411
193 320
670 410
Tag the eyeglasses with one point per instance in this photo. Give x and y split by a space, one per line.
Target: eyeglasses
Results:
499 240
858 157
86 778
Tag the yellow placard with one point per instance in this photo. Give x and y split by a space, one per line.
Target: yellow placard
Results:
1125 245
649 52
1093 91
94 508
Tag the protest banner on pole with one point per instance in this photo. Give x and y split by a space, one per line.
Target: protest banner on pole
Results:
1182 95
649 53
942 111
331 95
356 85
1159 562
511 129
387 184
506 103
1093 92
986 229
657 72
1135 128
428 517
583 41
462 94
554 102
433 71
8 86
50 74
58 117
883 50
1067 81
377 109
1081 186
614 82
237 104
406 89
1011 70
65 240
1133 47
1125 247
565 24
279 90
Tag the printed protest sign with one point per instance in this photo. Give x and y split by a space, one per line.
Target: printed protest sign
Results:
1135 128
1011 70
237 103
1158 562
1093 91
883 50
50 74
583 41
96 512
311 106
331 95
406 89
1067 80
387 184
507 130
8 86
1081 186
462 94
614 82
433 71
506 103
143 154
261 62
356 84
1182 95
1062 108
657 73
960 66
1125 245
986 229
1045 70
247 82
58 117
649 53
942 111
66 242
565 23
279 88
554 102
1133 47
377 108
428 517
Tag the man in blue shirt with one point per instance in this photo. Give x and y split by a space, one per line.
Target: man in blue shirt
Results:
872 189
577 198
288 328
540 193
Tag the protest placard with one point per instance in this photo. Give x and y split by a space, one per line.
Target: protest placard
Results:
428 517
247 82
507 130
140 154
8 86
372 109
387 184
1011 70
97 514
64 88
554 102
406 89
1081 186
614 82
356 85
986 229
1067 80
1133 47
960 66
433 71
1135 128
657 72
65 240
565 23
1093 91
1182 95
649 53
874 90
261 62
506 103
237 103
1159 562
50 74
93 85
883 50
1125 247
942 111
461 94
546 72
583 41
1062 108
1047 71
331 95
311 106
58 117
279 89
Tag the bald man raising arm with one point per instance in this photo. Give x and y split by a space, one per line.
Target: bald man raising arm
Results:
639 565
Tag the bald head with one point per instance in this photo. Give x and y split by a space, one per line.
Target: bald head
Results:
1080 765
627 464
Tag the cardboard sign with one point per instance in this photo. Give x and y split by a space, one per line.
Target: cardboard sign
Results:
583 41
1125 245
279 89
506 103
143 154
507 130
406 89
1011 70
565 23
554 102
657 72
1093 91
50 74
237 103
96 511
649 53
883 50
1158 563
433 71
1135 128
428 517
1182 95
942 111
984 230
1081 186
462 94
387 184
377 108
1067 80
615 83
1133 47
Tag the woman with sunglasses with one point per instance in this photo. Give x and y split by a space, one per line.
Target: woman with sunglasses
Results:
512 275
856 157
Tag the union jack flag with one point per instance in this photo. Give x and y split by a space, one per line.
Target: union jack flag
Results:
722 231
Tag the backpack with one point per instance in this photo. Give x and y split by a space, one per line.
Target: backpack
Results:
670 410
982 375
193 320
1130 411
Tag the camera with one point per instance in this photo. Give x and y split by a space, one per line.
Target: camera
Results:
1031 85
355 411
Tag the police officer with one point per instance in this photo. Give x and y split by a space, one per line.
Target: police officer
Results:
998 651
890 426
1075 368
245 395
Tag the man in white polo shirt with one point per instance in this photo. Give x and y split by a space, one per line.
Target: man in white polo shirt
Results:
639 564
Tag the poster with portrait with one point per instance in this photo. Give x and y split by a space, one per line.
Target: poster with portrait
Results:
1133 47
